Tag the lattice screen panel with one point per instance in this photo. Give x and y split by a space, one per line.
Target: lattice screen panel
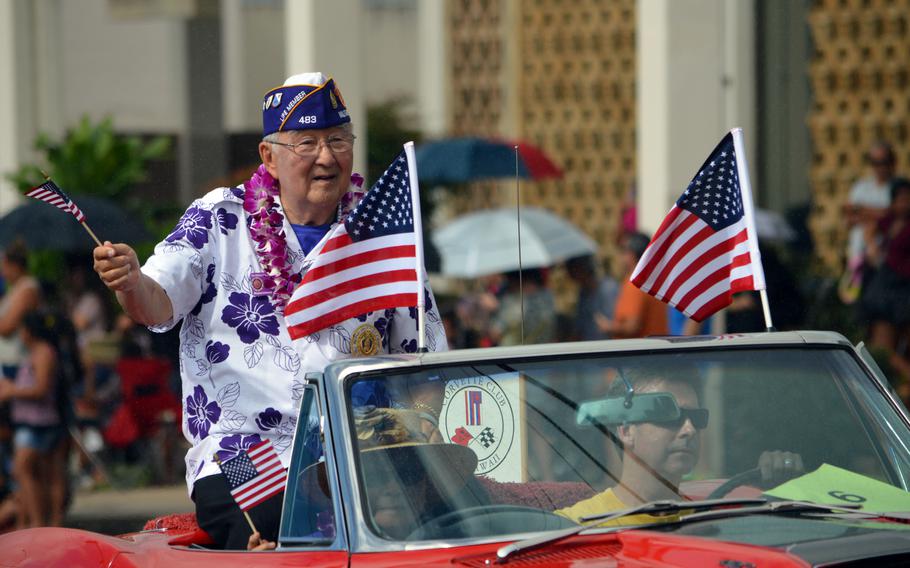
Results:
572 87
861 92
577 93
478 35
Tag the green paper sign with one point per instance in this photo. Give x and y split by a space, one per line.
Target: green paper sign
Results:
835 486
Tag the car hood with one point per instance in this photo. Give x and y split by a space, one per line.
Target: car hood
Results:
755 540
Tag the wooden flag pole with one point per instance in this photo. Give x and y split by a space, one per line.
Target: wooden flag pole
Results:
91 233
250 521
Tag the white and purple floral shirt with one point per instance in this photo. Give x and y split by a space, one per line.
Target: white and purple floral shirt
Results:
242 375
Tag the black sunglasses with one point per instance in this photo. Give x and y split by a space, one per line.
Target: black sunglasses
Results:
698 416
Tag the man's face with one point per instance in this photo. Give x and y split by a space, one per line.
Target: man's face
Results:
671 449
395 508
882 163
317 181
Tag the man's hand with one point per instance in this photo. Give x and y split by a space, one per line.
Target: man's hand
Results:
118 266
779 466
257 543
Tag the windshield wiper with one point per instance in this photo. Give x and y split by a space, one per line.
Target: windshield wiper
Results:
669 506
785 507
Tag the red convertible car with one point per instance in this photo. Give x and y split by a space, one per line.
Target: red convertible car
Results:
771 449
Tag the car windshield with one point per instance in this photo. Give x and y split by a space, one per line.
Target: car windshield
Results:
526 445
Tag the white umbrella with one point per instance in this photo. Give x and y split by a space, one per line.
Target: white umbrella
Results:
486 242
771 226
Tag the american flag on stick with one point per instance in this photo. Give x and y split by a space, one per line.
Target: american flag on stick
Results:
706 249
254 475
369 262
50 193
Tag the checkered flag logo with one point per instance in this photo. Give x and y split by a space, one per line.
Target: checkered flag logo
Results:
487 438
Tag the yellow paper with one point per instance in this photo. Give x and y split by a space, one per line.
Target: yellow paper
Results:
835 486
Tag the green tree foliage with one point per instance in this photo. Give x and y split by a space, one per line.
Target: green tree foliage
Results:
93 159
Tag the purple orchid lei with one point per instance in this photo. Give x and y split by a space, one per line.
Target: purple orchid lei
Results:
260 201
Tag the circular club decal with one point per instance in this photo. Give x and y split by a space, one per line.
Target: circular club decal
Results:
478 414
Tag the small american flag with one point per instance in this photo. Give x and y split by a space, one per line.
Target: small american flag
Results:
254 475
703 251
50 193
368 262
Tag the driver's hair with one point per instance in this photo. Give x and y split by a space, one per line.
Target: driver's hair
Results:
645 377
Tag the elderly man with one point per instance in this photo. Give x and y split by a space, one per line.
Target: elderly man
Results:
228 270
659 445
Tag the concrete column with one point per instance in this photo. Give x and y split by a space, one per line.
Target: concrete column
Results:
17 104
202 148
323 36
696 81
232 65
432 76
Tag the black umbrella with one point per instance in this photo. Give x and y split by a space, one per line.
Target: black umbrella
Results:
44 227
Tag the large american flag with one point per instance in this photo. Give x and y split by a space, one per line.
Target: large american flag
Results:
254 475
50 193
702 253
368 263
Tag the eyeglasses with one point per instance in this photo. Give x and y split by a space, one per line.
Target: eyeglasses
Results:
698 416
309 147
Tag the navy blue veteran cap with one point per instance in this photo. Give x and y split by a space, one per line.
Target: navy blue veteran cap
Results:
305 102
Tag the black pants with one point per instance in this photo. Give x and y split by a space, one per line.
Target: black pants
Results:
219 515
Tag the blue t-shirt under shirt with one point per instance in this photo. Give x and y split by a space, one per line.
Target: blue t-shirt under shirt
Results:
309 235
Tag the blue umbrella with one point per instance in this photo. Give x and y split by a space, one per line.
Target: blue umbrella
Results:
462 160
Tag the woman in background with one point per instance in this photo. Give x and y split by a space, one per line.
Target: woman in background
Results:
39 442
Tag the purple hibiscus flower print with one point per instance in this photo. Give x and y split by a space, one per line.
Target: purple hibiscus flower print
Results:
226 220
200 413
237 191
268 419
216 352
209 293
409 346
251 316
233 445
193 226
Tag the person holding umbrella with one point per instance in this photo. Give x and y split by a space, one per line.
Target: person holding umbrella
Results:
228 270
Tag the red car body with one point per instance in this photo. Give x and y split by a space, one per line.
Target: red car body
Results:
812 392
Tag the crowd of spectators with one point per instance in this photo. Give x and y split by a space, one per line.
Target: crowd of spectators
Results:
68 407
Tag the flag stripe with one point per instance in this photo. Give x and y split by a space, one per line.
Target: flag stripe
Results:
50 193
307 327
692 301
705 256
676 296
697 233
355 284
387 289
274 489
372 268
317 272
335 253
676 223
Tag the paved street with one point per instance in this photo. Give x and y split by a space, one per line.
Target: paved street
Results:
114 511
